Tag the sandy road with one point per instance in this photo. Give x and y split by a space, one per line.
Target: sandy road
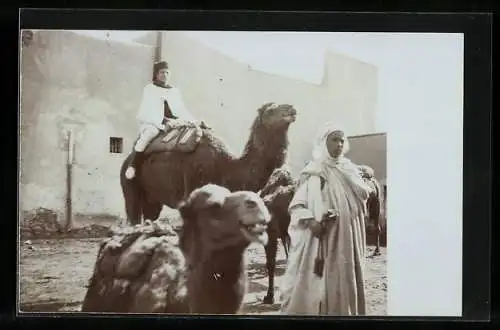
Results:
53 275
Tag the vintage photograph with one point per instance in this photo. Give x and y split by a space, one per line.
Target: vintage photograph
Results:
203 172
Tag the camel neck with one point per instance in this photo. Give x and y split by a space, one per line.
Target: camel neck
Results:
264 152
217 284
221 259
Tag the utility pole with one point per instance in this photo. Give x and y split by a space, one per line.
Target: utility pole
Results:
159 37
69 180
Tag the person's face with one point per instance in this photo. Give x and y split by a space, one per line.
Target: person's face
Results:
335 143
163 75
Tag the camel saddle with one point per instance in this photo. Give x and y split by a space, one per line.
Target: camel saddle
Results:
179 136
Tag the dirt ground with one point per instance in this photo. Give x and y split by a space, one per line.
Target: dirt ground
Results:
53 274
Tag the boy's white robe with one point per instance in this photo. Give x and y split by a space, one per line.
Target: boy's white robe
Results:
151 108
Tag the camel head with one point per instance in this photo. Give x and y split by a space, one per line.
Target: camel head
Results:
366 171
281 176
215 218
279 199
273 115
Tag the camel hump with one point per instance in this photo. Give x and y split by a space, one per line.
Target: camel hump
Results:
178 136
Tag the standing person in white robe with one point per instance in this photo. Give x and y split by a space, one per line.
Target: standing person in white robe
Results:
340 290
160 103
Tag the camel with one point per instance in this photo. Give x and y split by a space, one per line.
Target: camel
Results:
148 268
374 203
278 194
166 176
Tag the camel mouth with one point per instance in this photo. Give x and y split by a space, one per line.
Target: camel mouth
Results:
256 232
290 118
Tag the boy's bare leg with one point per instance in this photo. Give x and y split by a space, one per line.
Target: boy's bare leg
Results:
147 134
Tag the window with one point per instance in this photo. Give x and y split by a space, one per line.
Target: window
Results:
115 145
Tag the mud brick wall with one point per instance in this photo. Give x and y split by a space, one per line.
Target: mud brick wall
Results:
93 86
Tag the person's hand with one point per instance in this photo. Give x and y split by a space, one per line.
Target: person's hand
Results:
315 227
331 215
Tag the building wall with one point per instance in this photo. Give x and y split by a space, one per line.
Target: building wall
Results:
94 86
371 150
225 93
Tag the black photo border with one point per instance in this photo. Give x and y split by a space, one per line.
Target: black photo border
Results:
477 169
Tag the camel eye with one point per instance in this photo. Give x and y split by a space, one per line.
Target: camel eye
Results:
251 204
214 208
271 108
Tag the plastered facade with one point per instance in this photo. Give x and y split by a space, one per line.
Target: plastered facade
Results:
94 86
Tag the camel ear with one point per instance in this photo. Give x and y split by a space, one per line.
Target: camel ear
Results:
207 197
367 171
265 106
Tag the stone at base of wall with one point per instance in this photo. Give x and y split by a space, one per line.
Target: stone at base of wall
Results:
92 231
45 223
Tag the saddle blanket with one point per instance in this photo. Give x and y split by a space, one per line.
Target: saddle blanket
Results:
179 136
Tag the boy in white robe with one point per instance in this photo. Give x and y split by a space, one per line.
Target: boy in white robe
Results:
329 183
160 102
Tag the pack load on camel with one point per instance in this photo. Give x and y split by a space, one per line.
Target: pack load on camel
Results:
150 269
176 136
188 156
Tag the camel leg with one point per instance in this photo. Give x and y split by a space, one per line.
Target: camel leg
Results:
271 250
133 207
375 206
151 210
377 238
285 240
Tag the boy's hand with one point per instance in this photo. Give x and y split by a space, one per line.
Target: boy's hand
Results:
203 125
